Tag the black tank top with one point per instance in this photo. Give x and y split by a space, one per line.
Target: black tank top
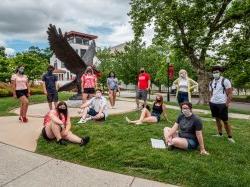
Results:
157 109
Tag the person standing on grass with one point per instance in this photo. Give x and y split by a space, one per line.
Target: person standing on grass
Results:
50 87
154 117
221 96
143 86
89 83
94 109
21 90
184 86
189 135
57 126
112 84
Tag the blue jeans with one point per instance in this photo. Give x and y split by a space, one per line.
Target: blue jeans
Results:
182 97
192 144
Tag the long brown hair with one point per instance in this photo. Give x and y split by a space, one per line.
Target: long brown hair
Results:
64 113
161 99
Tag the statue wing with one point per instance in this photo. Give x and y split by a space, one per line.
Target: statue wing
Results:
90 53
64 52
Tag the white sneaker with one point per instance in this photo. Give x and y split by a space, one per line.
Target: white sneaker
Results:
128 120
82 121
231 140
217 135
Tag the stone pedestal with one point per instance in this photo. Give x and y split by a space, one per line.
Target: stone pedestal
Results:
75 101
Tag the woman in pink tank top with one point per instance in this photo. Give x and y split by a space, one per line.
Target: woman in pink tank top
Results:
21 90
89 83
57 126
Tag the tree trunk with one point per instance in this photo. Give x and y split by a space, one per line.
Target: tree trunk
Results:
203 81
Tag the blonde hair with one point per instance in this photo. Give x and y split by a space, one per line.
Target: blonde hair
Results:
183 71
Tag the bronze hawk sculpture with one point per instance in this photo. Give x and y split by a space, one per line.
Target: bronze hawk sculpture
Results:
72 61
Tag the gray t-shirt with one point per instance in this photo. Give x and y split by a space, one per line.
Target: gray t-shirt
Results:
218 97
96 103
112 83
188 126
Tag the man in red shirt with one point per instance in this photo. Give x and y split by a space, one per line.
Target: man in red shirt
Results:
143 86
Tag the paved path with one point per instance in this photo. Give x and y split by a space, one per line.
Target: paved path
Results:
234 105
23 168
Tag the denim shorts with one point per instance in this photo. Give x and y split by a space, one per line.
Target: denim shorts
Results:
158 116
92 112
192 144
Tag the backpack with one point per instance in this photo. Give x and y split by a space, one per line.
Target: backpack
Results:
222 84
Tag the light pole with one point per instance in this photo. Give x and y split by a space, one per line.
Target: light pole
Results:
167 61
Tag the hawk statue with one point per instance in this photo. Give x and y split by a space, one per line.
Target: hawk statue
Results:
72 61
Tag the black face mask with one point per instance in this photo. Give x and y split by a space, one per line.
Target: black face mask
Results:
158 100
63 111
50 71
142 71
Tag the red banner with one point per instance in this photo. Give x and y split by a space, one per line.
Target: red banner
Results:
171 71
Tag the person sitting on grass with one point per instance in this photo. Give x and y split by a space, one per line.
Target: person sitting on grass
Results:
57 126
189 135
155 116
95 108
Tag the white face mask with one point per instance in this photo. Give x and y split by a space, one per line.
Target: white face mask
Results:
187 112
98 94
216 75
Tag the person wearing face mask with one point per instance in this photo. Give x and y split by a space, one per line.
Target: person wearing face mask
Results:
57 126
89 83
153 117
21 90
143 86
50 87
112 83
221 96
184 86
94 109
186 133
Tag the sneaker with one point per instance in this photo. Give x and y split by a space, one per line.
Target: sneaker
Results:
25 119
127 119
62 142
217 135
84 140
20 118
82 121
231 140
170 147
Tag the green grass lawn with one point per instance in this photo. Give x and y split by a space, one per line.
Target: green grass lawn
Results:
119 147
9 103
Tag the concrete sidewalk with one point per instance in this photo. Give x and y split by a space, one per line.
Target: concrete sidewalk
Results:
23 168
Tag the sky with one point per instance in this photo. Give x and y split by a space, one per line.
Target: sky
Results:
24 23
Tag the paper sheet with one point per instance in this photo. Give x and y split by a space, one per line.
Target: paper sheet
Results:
158 144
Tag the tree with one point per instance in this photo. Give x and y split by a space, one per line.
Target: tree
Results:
191 25
2 51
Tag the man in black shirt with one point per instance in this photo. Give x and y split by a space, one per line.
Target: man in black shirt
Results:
50 87
189 135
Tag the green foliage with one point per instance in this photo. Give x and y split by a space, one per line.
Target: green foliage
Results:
2 51
35 61
119 147
191 26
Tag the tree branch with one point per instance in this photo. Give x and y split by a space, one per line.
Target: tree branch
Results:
213 28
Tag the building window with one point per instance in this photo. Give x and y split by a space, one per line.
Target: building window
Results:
55 65
62 65
85 42
83 51
71 40
78 40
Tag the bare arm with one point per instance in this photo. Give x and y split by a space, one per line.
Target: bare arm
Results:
13 84
164 111
44 88
229 93
28 87
56 120
201 142
149 84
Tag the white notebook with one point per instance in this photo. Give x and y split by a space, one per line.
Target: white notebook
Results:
158 144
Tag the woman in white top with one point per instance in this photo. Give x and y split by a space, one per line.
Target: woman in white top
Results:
184 86
21 90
